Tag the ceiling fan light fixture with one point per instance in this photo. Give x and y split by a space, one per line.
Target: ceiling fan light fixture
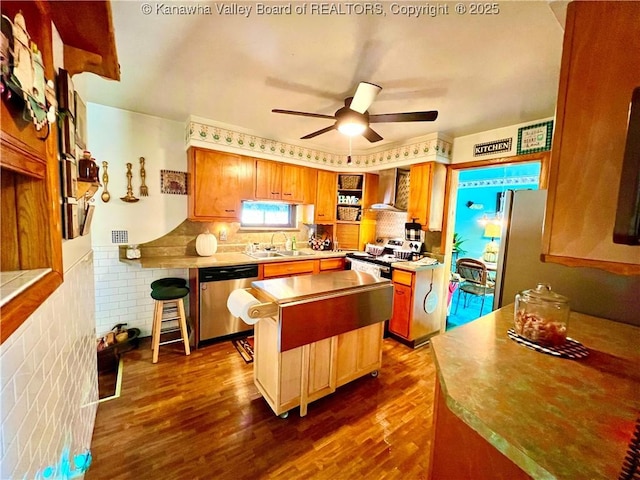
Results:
352 128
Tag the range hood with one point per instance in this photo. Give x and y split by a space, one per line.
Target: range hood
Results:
393 190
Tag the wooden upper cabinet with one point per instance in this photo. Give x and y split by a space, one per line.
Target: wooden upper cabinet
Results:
426 195
268 180
327 185
310 185
218 182
589 138
279 181
293 183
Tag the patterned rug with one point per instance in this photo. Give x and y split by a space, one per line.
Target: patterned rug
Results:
245 348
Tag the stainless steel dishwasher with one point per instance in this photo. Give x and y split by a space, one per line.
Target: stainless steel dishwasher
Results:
216 283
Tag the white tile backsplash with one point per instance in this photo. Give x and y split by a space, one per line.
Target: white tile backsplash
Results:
49 388
390 224
123 292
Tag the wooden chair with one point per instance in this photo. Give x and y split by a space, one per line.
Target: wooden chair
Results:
473 280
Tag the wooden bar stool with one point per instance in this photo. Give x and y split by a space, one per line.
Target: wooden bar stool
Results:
169 294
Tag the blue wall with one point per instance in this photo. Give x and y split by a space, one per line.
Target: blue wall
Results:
482 186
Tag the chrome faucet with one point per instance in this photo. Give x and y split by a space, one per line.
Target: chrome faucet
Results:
272 246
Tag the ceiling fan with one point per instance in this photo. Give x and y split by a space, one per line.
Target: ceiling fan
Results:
354 119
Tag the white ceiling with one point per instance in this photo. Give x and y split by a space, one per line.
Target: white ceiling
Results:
479 71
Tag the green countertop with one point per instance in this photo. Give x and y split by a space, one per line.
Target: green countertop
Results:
553 417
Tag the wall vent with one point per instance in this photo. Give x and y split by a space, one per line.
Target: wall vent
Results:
119 236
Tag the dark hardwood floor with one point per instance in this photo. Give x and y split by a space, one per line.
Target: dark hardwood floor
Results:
202 417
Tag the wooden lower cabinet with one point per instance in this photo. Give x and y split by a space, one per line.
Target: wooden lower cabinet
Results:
331 264
287 269
478 459
400 322
359 353
301 375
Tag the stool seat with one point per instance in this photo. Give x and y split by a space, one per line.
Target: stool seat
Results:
169 292
168 282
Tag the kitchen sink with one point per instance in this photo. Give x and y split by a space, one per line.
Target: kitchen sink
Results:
283 253
293 253
263 254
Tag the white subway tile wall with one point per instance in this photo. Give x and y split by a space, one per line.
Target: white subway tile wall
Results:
123 292
48 380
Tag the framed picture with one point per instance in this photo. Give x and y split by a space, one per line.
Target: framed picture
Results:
70 177
66 100
86 225
80 121
173 182
535 138
67 137
72 225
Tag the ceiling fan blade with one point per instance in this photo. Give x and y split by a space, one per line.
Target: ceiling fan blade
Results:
364 97
303 114
429 116
371 135
319 132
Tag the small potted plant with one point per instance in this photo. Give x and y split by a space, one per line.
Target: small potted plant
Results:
457 250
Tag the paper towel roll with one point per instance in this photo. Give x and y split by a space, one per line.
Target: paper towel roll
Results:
240 303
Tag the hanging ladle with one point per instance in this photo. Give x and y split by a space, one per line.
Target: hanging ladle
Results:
106 196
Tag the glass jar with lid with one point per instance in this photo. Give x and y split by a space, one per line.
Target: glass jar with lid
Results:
542 316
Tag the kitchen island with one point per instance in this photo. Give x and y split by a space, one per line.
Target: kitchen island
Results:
503 410
326 331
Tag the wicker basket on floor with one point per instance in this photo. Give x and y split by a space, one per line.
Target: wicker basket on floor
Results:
348 213
349 182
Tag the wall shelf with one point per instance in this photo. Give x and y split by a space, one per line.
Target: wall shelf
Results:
86 189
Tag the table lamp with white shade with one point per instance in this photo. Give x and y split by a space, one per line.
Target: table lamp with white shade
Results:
492 230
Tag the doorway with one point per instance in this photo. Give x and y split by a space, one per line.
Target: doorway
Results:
474 225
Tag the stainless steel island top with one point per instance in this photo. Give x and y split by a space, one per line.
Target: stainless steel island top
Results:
305 287
315 307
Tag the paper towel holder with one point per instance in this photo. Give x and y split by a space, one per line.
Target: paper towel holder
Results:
262 310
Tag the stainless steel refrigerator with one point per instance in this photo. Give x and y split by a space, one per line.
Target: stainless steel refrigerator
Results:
591 291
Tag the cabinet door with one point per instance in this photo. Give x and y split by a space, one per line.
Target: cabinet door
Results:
329 264
310 185
268 180
288 269
218 182
426 194
401 315
419 193
319 379
590 133
348 236
293 183
359 352
326 197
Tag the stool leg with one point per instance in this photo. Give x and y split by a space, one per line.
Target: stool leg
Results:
153 324
183 327
157 325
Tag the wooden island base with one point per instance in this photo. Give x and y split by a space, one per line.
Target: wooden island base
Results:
301 375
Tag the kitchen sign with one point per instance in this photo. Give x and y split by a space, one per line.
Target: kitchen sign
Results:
489 148
535 138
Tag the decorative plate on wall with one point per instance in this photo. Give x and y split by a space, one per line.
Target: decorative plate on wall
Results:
173 182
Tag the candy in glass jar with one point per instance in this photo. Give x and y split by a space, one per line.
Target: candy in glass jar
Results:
542 316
